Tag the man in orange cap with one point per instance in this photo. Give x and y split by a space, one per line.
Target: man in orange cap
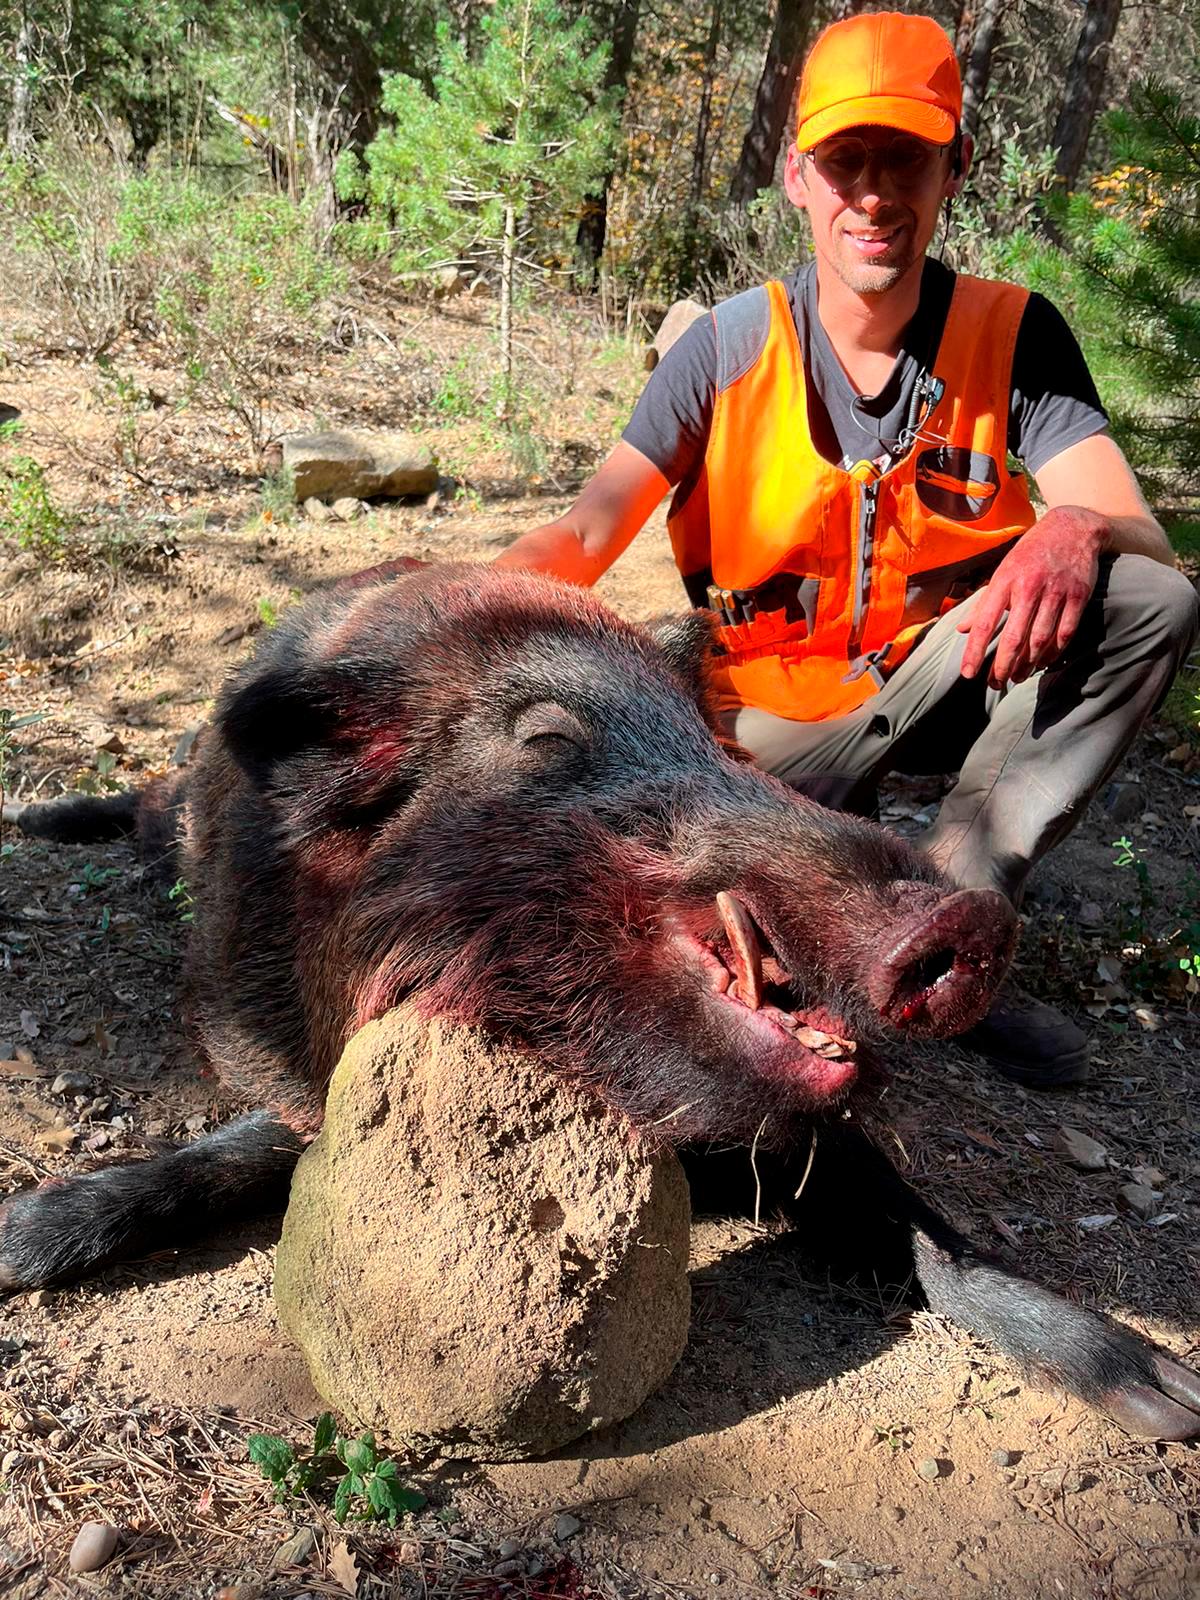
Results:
838 444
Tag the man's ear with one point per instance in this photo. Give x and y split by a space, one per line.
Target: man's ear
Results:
960 166
795 185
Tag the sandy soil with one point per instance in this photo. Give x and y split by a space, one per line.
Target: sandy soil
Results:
782 1457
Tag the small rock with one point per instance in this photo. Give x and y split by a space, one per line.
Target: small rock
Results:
1139 1198
507 1569
39 1298
1068 1480
9 1462
79 1036
714 1578
929 1469
566 1527
58 1440
894 1513
1151 1177
316 510
1005 1458
295 1551
71 1083
240 1591
508 1548
93 1547
1082 1150
347 508
1091 914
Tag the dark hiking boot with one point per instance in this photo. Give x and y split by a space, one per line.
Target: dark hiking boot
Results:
1030 1042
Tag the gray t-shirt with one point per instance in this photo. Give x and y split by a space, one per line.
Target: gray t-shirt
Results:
1053 402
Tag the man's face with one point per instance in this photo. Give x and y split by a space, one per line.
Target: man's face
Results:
873 197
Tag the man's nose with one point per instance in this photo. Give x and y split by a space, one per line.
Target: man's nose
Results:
875 187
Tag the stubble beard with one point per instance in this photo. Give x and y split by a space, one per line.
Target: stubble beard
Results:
873 277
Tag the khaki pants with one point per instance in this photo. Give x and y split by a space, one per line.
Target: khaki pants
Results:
1029 757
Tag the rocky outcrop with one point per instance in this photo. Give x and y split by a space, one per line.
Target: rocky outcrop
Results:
350 464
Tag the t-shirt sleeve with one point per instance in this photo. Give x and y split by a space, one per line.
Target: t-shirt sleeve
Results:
671 420
1054 402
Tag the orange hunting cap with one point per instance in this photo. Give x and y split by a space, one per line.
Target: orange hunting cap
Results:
880 68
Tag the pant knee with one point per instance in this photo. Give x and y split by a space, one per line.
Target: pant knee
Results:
1154 597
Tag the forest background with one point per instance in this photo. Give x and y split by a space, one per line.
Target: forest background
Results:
208 183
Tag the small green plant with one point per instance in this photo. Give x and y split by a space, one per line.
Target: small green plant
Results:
101 781
1161 953
10 723
180 893
93 877
28 513
365 1484
278 493
130 404
459 398
268 613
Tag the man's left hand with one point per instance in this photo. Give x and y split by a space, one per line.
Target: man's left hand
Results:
1044 582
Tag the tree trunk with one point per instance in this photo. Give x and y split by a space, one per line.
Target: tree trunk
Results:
772 101
975 57
507 255
20 131
1084 88
593 223
704 115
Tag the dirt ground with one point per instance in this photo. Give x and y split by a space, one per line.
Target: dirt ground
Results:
782 1457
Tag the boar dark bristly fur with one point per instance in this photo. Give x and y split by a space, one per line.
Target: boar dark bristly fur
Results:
482 792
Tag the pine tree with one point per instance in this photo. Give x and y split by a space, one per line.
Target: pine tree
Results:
503 150
1133 272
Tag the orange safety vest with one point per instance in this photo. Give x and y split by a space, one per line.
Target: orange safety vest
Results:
826 577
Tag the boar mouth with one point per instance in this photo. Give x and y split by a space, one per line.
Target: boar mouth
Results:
809 1049
936 976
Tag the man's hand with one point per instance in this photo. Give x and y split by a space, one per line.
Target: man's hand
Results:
1043 583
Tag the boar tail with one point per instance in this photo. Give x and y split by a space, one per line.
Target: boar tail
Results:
70 1227
78 819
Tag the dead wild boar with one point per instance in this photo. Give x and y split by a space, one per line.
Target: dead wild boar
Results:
483 791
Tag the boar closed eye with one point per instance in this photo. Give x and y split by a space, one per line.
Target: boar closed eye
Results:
547 728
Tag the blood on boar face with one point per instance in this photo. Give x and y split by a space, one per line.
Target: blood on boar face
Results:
495 796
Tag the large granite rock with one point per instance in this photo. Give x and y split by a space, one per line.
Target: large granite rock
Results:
342 464
476 1258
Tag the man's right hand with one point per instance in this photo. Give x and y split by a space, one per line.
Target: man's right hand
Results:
582 544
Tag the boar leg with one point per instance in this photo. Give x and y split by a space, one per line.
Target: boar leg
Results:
70 1227
896 1236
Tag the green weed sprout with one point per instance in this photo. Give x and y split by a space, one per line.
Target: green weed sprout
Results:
365 1484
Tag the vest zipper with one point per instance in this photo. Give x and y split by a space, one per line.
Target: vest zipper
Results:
868 502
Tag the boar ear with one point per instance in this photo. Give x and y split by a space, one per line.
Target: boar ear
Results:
271 716
688 642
